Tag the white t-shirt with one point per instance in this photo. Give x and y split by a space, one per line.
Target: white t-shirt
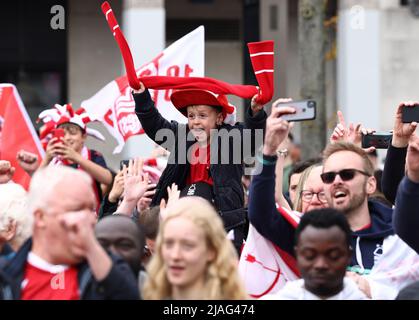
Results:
295 290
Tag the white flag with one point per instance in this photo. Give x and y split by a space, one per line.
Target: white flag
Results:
114 106
263 266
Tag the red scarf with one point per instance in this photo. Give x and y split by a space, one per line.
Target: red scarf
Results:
261 55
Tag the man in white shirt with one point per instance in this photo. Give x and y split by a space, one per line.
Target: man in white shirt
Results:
323 253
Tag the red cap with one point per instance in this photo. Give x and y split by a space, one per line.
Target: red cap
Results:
184 98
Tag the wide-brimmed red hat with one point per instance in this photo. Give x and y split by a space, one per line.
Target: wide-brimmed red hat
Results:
184 98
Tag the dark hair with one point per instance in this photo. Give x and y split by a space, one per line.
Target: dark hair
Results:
300 166
149 219
291 137
324 219
65 125
218 109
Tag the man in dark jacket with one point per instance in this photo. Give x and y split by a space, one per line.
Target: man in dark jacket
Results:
377 262
223 173
64 260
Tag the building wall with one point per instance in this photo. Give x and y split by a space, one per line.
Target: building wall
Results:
399 61
93 61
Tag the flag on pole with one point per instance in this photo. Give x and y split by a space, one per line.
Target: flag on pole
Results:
16 132
114 105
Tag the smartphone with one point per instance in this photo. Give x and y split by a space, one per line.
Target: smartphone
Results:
379 140
410 114
305 110
122 163
59 134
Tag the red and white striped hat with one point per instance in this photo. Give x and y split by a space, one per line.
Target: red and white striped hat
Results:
58 115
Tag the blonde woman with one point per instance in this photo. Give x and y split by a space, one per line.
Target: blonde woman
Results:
193 257
310 192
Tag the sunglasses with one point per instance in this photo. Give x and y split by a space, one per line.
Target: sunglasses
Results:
345 175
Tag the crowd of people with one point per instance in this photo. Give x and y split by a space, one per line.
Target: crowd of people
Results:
83 231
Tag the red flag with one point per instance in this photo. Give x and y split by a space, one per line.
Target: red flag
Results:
16 132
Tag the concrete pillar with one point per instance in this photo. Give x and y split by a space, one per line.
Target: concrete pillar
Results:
143 24
358 65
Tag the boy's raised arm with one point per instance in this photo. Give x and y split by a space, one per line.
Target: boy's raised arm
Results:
150 118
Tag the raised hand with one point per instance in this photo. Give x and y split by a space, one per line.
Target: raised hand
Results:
117 187
146 199
79 226
256 107
173 195
141 90
135 181
27 161
403 131
6 171
276 128
351 133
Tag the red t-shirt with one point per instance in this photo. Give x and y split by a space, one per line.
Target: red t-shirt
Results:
43 281
199 169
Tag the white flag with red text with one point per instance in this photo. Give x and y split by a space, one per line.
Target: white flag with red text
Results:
16 132
114 105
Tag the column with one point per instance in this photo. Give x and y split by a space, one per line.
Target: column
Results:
358 65
143 24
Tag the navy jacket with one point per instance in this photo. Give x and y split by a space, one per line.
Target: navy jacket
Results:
406 213
393 173
119 284
366 244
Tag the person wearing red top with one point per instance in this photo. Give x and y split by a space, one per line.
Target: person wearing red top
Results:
63 260
200 165
211 127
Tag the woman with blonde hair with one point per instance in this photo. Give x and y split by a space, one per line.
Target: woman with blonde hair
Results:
193 257
310 192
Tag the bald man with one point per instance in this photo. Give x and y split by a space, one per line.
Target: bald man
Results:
63 260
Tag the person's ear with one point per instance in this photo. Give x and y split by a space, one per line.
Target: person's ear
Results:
210 255
39 218
220 119
10 231
371 185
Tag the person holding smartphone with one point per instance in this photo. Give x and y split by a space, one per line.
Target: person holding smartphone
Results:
67 146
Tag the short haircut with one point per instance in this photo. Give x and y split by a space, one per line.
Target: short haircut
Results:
219 109
300 166
149 219
140 230
67 125
345 146
324 219
45 181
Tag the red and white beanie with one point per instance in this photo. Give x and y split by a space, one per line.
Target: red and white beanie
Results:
58 115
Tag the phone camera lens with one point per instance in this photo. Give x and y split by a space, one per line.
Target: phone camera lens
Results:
311 104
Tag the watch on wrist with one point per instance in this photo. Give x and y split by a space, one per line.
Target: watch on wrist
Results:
282 153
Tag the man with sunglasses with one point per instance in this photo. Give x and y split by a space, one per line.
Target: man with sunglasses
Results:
348 177
376 264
